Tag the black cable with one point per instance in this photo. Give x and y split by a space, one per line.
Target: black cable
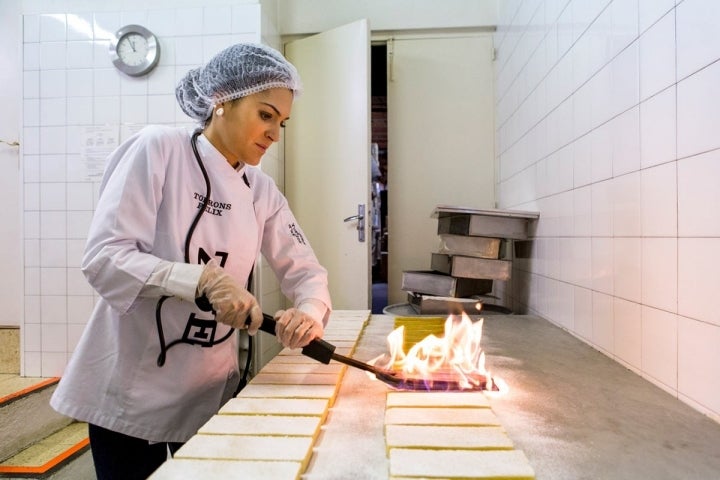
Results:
201 301
206 200
158 307
161 335
244 379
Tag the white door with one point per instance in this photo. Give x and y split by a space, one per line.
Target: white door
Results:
441 133
327 152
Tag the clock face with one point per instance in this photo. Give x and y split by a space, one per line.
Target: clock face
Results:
134 50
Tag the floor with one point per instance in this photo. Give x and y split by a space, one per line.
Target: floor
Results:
9 350
379 297
45 452
579 415
12 383
80 468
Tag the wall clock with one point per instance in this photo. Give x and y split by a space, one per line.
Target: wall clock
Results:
134 50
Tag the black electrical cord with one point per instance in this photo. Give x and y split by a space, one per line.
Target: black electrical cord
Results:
201 302
158 307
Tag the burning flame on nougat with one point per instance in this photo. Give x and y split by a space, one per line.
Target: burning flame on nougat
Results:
456 357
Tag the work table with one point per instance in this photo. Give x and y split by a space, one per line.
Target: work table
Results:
572 411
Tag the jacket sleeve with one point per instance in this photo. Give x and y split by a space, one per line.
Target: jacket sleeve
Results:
291 257
117 262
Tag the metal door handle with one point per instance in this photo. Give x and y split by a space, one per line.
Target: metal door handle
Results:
360 217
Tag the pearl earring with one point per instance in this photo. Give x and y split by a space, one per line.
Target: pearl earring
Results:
220 112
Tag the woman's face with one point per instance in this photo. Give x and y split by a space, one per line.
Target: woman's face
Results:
249 125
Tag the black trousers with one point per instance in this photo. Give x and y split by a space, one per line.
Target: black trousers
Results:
117 456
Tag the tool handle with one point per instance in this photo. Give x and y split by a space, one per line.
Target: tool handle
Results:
203 303
268 323
318 349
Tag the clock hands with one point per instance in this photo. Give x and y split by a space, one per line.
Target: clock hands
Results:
134 50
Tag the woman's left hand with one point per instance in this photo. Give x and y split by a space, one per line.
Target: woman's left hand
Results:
295 329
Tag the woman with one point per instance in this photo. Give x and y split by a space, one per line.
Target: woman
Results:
183 215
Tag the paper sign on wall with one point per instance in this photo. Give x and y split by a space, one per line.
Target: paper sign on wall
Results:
97 142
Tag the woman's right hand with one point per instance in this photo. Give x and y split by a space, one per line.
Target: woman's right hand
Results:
231 302
295 328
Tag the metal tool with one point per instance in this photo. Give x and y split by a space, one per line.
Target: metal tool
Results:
322 351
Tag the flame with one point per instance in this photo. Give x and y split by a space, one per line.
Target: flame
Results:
456 357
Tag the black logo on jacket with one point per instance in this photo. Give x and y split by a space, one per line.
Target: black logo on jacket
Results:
213 207
296 233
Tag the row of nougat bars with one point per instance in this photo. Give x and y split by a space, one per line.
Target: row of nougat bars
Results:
269 429
449 435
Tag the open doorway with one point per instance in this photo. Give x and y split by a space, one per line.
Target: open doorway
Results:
379 157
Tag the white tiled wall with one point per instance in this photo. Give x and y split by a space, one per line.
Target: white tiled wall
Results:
608 113
69 85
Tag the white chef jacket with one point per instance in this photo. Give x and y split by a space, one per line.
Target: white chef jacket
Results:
151 191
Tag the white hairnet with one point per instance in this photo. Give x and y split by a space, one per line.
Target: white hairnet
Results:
237 71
